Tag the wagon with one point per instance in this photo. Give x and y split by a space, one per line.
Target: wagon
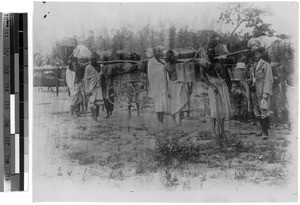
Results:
126 87
49 77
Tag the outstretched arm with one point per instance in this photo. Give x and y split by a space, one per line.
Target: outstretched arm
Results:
205 79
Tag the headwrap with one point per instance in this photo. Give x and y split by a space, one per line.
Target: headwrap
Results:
160 48
95 56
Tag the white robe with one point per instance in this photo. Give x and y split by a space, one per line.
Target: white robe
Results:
179 98
158 80
92 80
75 89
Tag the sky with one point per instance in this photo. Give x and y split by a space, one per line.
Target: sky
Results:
55 20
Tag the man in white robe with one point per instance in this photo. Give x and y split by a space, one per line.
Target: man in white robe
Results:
158 80
178 88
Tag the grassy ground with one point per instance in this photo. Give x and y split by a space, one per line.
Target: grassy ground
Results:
134 155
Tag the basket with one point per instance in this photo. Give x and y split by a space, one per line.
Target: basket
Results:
237 74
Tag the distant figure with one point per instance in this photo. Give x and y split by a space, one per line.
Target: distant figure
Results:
93 77
108 96
219 100
158 81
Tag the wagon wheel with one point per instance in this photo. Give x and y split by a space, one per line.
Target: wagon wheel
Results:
125 93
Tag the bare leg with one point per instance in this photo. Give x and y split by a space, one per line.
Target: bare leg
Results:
158 116
97 107
77 109
129 110
213 126
181 114
138 109
72 110
86 104
94 113
162 117
290 126
107 114
188 115
222 120
218 125
82 107
174 119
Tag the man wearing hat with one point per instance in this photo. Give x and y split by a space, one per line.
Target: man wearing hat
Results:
262 83
92 78
158 81
219 100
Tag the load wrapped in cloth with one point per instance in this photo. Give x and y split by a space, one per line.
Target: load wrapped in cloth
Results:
82 53
119 68
105 55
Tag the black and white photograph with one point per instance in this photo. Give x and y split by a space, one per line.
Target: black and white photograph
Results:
165 101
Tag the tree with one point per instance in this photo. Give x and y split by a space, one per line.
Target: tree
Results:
263 30
182 37
172 37
102 43
238 13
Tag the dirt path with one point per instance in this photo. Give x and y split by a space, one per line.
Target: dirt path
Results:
137 160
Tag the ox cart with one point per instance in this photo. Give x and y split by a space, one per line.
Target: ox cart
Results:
127 80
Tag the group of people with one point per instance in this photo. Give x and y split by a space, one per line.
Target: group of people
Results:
171 92
88 87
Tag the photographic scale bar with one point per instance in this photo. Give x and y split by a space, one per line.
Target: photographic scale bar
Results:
14 87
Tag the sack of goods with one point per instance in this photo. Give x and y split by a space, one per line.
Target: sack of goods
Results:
262 41
82 53
277 49
105 55
124 55
119 68
280 50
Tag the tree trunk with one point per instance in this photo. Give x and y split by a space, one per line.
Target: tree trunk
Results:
238 25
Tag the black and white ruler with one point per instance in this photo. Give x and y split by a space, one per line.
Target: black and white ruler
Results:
14 103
